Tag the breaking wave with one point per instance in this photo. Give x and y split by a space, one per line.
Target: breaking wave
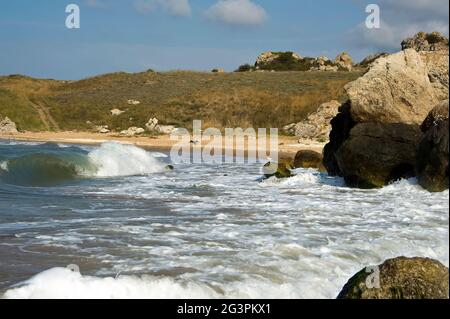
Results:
54 164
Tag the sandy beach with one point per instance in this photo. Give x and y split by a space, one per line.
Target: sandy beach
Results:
287 146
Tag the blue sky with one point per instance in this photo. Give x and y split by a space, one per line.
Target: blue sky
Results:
135 35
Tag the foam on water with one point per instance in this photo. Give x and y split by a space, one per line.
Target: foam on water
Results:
217 231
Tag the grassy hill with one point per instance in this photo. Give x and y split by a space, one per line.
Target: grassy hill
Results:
258 99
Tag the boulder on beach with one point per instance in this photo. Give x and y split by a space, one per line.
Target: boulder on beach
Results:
400 278
7 126
102 129
309 159
375 136
433 150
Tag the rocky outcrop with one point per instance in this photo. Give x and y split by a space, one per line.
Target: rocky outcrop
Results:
396 89
132 131
309 159
400 278
269 57
219 70
376 154
423 41
375 137
7 126
433 150
317 125
344 61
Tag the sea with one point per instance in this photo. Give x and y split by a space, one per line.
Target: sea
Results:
114 221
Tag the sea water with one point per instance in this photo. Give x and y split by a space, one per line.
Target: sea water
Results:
137 230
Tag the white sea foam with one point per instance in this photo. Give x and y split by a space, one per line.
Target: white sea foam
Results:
301 237
4 165
115 159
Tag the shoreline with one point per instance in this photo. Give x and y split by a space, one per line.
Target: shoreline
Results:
287 148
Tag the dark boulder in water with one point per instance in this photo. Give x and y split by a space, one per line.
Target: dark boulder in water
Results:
309 159
341 126
433 150
400 278
376 154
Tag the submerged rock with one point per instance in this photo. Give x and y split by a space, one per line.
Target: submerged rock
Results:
279 170
309 159
433 150
400 278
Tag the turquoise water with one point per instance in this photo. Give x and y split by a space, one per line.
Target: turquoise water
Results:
136 230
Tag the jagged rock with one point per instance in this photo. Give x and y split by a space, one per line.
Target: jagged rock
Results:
7 126
103 129
423 41
433 150
344 60
396 89
317 125
400 278
309 159
116 112
132 131
279 170
376 154
369 60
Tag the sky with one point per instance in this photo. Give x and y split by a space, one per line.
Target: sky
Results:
136 35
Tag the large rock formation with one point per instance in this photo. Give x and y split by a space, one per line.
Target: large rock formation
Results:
317 125
7 126
433 151
396 89
375 136
344 61
400 278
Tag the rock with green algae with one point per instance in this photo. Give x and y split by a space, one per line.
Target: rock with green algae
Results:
400 278
279 170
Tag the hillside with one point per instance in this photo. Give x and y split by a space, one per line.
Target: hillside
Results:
258 99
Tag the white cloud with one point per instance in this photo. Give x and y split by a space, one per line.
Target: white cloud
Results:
173 7
237 12
401 19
